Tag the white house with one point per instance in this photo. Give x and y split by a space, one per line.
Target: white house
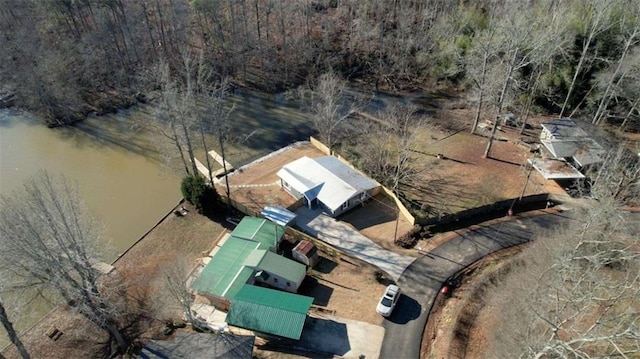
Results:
326 182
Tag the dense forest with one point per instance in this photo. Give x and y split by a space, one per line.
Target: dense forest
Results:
65 59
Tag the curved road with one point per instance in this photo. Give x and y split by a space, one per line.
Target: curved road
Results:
424 278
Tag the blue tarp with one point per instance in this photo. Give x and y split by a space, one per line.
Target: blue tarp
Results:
279 215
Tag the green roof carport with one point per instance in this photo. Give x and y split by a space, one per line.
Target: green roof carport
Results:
269 311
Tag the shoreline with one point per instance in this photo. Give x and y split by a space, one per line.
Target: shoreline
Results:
181 201
113 262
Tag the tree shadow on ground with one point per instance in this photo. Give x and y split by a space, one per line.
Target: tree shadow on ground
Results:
438 195
114 133
220 212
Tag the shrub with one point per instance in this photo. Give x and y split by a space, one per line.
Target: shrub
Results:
196 191
409 239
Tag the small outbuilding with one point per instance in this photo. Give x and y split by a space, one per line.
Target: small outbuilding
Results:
275 270
306 253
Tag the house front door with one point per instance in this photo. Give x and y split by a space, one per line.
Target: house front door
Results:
314 203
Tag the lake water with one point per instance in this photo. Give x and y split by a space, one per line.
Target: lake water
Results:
121 180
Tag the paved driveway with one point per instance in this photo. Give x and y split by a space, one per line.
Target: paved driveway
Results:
424 277
349 240
341 337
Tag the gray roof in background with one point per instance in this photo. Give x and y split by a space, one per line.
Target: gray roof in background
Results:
575 139
564 128
200 346
584 151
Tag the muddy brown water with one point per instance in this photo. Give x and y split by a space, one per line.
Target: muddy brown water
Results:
128 190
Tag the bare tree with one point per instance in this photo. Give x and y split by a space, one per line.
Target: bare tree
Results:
594 18
168 125
51 242
523 41
178 114
483 49
216 119
331 106
618 178
629 26
11 332
176 277
625 92
576 292
396 162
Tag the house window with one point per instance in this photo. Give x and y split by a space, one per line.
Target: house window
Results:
285 184
275 280
288 284
345 205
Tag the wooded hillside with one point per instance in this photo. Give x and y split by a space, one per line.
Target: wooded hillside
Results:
67 58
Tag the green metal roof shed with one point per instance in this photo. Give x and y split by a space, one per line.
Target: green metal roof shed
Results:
269 311
226 269
260 230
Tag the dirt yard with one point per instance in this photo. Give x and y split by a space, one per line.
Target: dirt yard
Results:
256 185
456 177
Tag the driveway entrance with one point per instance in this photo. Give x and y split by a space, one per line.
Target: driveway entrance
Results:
347 239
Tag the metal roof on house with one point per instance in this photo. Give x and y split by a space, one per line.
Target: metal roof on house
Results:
553 168
583 151
226 269
569 140
278 265
269 311
326 178
260 230
563 128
